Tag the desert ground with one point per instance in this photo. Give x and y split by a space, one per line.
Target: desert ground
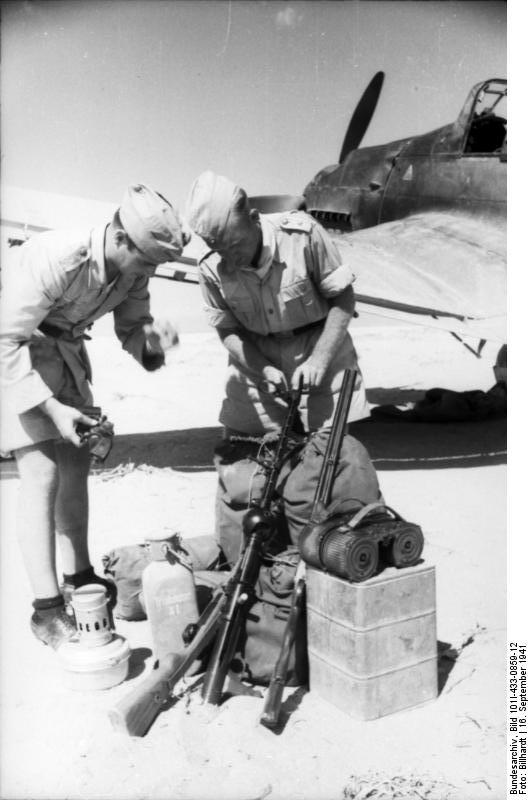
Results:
58 744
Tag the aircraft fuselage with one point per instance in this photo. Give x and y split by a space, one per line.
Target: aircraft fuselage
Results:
459 166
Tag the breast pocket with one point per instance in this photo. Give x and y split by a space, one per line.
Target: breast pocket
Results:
300 303
242 306
77 307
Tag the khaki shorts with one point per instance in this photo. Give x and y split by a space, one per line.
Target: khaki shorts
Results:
34 426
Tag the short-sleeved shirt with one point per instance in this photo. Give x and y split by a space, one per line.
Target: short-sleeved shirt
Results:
57 280
299 271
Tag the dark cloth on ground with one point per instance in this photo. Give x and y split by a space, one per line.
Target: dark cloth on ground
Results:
440 405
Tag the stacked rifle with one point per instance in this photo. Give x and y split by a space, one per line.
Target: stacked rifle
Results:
221 623
344 540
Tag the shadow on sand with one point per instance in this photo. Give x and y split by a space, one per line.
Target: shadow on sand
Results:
189 450
397 444
446 660
393 444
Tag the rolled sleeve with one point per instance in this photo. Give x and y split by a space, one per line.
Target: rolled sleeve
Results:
329 273
217 310
337 281
131 315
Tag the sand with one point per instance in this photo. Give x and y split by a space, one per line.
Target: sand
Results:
57 743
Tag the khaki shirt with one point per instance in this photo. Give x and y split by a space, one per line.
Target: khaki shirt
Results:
299 269
58 278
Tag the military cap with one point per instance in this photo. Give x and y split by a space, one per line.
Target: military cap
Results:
151 223
211 202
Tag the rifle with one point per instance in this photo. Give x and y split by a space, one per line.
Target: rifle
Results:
222 620
272 705
258 528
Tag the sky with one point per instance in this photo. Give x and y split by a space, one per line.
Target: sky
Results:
97 94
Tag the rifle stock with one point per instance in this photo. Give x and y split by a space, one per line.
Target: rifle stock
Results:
135 713
274 695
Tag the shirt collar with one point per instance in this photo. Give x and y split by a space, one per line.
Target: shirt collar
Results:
268 249
97 251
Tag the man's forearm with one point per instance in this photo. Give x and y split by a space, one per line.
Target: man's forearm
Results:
335 328
248 357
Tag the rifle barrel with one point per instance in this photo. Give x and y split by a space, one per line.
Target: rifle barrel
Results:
332 453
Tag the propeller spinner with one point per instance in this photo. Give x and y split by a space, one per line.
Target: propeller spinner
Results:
362 116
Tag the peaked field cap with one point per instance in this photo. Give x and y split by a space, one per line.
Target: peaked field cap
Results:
211 200
152 223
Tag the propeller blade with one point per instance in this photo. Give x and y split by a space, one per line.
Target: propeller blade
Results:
362 116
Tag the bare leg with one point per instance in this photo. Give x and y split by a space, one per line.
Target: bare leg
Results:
38 472
71 506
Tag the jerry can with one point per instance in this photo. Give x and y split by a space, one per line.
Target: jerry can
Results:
169 595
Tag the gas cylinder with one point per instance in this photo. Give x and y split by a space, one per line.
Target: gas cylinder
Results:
169 594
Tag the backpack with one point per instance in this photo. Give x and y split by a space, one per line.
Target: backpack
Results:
123 566
261 638
355 479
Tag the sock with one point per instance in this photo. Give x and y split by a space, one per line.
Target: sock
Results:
80 578
88 575
46 603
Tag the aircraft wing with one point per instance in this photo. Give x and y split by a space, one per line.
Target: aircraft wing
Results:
437 269
440 269
183 269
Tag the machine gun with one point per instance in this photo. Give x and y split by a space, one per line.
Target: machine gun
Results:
222 621
351 538
272 705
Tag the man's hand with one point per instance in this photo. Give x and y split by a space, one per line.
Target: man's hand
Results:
311 371
167 333
153 352
65 419
275 377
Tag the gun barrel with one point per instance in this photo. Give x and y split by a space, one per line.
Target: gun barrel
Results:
332 453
